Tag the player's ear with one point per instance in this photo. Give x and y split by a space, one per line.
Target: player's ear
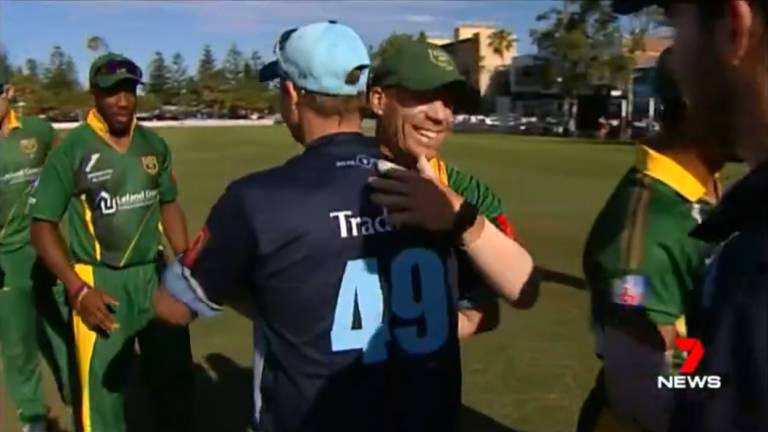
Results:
291 93
742 20
377 99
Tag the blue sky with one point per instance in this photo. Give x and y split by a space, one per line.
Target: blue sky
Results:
30 28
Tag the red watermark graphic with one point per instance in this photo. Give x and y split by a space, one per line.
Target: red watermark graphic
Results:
686 380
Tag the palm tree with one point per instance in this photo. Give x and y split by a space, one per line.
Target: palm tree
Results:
501 42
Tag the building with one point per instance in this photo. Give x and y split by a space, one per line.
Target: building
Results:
535 93
474 56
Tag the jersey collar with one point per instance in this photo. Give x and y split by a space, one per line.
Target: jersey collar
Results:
97 123
11 121
669 172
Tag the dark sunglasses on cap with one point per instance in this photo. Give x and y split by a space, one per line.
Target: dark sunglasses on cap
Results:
119 66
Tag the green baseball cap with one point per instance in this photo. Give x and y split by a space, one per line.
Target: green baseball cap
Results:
421 66
111 68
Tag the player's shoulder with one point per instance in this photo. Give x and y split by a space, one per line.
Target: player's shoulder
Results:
72 143
36 124
475 190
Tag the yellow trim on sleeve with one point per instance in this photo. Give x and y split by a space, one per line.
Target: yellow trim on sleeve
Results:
669 172
85 340
89 224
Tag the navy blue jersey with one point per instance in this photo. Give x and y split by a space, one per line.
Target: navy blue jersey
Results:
357 320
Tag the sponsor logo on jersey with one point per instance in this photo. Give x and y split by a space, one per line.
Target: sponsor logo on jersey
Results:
107 204
28 146
361 161
629 290
23 175
356 226
150 164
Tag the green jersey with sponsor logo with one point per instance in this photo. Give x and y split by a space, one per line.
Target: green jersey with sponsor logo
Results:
22 154
113 198
639 258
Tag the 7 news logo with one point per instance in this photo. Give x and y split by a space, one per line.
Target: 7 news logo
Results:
686 379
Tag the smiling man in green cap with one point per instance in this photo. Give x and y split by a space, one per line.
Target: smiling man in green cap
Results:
113 179
414 89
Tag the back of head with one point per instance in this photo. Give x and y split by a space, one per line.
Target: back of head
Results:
323 68
673 106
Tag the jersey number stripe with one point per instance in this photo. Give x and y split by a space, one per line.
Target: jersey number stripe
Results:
361 289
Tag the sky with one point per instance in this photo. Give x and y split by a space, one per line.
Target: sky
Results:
138 28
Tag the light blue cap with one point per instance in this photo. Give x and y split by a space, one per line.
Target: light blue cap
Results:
318 58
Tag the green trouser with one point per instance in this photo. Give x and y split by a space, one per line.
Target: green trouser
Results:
104 361
27 300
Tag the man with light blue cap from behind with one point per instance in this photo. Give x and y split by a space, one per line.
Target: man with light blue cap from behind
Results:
356 317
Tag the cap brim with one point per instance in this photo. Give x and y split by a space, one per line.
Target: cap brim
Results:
111 80
269 72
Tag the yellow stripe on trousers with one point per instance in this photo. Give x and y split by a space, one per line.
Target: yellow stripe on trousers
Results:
85 340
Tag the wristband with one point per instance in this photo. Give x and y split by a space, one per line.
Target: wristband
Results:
77 294
465 218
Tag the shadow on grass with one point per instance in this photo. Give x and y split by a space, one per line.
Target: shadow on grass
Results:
223 398
549 275
472 420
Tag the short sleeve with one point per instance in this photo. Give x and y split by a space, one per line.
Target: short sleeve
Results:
169 192
653 285
55 186
221 259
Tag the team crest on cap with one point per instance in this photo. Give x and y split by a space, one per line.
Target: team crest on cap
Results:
28 146
441 59
150 164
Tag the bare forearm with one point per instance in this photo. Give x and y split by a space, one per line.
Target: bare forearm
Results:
175 227
47 241
501 260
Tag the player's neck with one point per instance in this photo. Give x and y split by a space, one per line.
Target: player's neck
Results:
315 126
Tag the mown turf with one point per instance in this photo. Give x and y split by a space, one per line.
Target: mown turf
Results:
529 375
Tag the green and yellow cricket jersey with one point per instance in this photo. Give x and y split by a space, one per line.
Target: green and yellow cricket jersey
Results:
473 290
22 155
474 191
639 257
113 197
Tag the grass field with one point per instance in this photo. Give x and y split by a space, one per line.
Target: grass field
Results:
529 375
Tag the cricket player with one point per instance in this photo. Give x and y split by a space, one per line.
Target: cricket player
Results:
26 296
642 268
357 314
413 90
722 62
113 179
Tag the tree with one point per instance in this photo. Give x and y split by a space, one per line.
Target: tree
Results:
422 37
389 42
177 77
582 41
60 75
233 66
256 61
32 69
97 45
6 69
501 42
206 69
158 82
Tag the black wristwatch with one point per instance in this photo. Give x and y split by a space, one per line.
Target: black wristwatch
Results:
465 218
